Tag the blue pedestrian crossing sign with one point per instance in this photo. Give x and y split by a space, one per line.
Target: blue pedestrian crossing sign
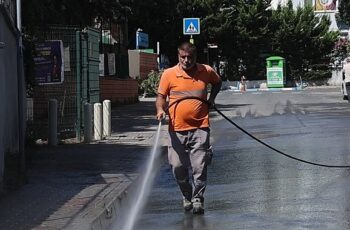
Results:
191 26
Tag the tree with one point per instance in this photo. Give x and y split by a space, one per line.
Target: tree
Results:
303 39
250 31
160 20
241 28
38 14
340 52
344 11
253 36
344 15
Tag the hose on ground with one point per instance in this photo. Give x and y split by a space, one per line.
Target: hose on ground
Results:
252 136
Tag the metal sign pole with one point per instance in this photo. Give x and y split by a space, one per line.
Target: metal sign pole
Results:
191 40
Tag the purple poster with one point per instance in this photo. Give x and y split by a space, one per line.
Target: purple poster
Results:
49 65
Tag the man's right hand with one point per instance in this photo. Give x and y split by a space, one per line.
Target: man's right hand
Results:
161 115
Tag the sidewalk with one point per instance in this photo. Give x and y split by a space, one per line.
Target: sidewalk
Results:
81 186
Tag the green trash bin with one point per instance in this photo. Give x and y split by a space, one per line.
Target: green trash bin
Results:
275 72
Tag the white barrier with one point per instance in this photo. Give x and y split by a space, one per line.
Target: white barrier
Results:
107 130
98 121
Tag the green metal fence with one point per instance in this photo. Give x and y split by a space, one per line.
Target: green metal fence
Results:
80 85
88 88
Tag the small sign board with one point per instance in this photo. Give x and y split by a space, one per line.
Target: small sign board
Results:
275 77
141 40
49 62
191 26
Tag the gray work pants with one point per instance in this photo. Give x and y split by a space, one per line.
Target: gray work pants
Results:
190 151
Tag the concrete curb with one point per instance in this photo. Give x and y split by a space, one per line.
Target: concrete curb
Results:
95 207
103 210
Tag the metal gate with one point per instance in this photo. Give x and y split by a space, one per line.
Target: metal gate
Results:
88 84
80 85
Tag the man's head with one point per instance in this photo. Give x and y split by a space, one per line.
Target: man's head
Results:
187 54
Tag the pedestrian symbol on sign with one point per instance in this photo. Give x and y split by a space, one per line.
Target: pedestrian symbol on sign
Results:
191 28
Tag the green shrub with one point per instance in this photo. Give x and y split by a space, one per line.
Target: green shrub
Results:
149 85
318 72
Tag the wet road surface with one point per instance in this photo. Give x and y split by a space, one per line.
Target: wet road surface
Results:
252 187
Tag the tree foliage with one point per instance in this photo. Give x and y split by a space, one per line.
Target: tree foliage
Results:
159 19
302 38
38 14
344 15
344 11
149 86
253 35
250 31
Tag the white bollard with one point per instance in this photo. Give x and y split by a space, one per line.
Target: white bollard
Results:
52 122
98 121
107 130
87 123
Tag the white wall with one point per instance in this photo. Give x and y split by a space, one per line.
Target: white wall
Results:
336 78
134 63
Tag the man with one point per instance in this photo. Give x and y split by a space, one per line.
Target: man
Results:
346 77
189 133
243 84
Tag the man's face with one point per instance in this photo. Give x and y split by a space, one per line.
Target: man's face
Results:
187 59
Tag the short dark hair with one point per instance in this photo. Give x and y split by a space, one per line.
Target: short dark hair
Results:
188 47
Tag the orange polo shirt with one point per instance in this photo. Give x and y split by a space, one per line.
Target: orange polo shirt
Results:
191 113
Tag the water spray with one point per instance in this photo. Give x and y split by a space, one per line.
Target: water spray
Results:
146 183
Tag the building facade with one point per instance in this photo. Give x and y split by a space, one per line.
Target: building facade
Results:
12 95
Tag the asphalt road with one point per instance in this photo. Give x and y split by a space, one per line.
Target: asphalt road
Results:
251 186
